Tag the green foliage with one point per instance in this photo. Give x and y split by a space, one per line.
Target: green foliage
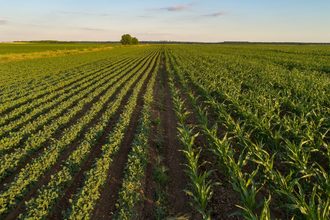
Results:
85 200
132 187
270 117
94 88
32 47
127 39
200 184
262 110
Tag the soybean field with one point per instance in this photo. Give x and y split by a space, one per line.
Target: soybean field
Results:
174 131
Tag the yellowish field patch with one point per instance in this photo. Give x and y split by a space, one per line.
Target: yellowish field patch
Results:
25 56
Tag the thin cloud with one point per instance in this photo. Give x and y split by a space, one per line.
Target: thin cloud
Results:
175 8
3 21
216 14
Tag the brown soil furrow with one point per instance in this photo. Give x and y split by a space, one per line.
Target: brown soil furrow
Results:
106 206
174 159
147 208
64 155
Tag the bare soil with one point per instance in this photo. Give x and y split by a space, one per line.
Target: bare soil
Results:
174 159
147 208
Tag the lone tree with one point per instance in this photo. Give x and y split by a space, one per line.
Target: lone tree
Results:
127 39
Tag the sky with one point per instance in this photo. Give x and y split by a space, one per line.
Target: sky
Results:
173 20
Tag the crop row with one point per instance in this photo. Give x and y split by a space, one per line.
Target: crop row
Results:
84 201
36 168
200 185
35 142
41 205
27 77
132 188
38 86
43 112
33 107
257 168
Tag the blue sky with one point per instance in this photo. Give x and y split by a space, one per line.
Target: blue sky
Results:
208 20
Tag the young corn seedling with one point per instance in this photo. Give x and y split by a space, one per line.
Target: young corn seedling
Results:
200 185
200 189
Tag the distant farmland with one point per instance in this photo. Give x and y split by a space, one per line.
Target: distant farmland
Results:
186 131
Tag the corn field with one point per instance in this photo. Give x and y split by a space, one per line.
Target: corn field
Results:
171 131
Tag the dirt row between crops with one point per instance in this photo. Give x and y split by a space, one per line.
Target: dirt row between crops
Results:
164 144
174 159
147 207
96 151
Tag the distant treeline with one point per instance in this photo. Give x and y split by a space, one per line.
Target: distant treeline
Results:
68 42
231 42
177 42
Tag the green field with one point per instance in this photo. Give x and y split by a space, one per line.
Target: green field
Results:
183 131
27 47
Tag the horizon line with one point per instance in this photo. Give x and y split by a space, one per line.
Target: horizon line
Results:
170 41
